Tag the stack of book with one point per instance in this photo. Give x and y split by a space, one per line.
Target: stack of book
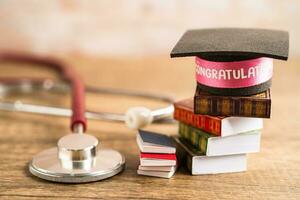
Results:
157 154
215 144
223 122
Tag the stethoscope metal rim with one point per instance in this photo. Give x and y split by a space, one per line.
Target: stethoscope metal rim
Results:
75 176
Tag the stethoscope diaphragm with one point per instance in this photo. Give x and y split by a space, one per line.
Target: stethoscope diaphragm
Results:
77 160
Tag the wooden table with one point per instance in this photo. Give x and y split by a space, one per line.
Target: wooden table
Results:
274 173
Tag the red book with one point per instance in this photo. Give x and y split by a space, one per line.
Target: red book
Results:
216 125
184 112
158 156
152 159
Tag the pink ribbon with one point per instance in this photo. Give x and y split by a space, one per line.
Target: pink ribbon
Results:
237 74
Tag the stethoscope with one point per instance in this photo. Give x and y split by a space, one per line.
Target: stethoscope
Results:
76 159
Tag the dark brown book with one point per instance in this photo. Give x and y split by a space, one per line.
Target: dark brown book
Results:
258 105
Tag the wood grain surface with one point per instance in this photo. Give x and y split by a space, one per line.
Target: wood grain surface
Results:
274 173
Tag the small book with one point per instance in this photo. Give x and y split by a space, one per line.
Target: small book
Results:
258 105
248 142
157 168
217 125
150 142
149 159
198 164
160 174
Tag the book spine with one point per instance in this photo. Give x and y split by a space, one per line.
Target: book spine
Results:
203 122
189 163
246 107
195 137
184 154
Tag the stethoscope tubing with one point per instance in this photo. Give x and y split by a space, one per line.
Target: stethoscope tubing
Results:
18 85
66 73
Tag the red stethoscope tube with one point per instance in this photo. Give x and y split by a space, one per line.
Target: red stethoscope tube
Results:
67 74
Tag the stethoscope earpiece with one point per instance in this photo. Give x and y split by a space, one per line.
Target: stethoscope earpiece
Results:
138 117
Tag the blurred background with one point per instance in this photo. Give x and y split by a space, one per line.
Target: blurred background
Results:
132 27
126 44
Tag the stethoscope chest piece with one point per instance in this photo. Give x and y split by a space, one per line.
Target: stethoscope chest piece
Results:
77 160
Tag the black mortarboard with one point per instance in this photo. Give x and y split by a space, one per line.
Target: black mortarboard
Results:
232 44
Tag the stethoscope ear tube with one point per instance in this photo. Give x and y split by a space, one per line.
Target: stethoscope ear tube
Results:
141 115
67 74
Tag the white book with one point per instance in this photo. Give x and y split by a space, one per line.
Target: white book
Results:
199 164
157 162
237 125
157 168
218 164
248 142
210 145
150 142
159 174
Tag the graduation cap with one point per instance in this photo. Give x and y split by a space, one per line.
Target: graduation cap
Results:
227 48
